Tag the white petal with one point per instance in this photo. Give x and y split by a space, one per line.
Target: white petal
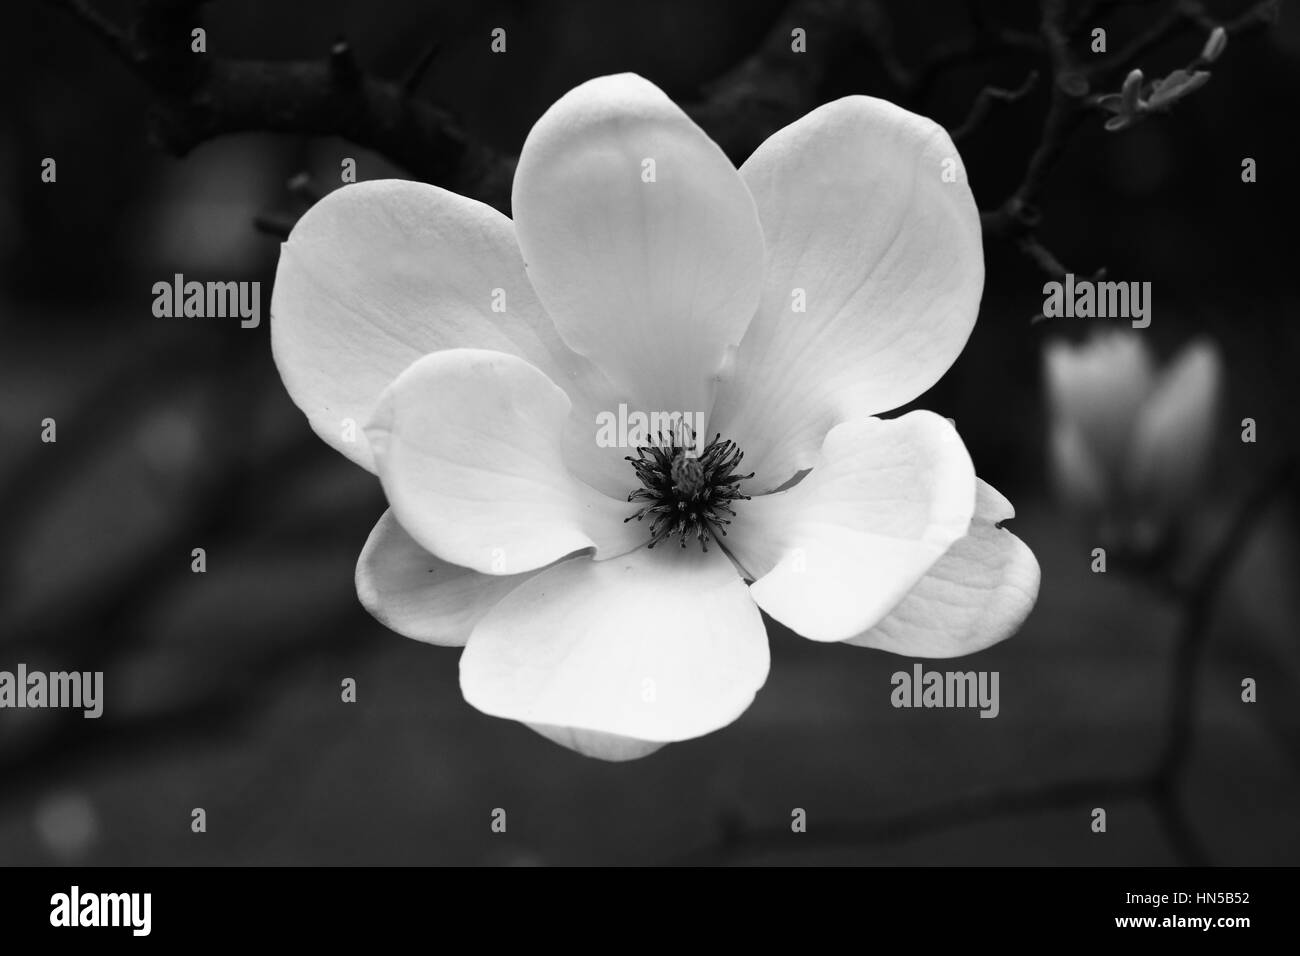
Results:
378 274
832 555
410 591
468 448
977 594
1077 473
589 743
654 281
1098 387
1175 429
657 645
888 256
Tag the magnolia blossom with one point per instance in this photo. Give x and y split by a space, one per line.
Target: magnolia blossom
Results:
835 276
1129 445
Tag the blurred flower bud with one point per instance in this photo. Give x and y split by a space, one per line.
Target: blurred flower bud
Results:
1172 433
1129 446
1174 87
1215 45
1127 105
1129 94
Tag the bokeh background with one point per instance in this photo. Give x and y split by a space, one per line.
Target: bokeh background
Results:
222 689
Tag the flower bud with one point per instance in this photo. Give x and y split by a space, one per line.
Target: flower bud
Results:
1129 95
1174 87
1214 46
1130 445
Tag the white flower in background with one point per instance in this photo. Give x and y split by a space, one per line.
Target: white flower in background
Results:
658 276
1129 445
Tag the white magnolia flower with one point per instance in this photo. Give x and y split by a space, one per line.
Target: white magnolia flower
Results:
642 268
1129 445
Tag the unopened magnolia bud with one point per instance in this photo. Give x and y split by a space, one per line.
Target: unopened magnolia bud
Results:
1214 45
1174 87
1129 95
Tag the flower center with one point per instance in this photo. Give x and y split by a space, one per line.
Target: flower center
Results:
687 495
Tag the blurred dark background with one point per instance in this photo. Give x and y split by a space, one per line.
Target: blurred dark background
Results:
222 689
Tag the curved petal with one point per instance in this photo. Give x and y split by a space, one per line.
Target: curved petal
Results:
1078 476
1098 387
652 277
874 273
1175 428
590 743
468 448
378 274
831 556
977 594
410 591
656 646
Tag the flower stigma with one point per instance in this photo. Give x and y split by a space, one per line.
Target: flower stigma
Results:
687 495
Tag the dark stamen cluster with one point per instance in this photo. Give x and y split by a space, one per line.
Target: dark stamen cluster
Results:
686 495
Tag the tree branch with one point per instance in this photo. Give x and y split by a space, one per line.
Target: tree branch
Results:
739 841
984 101
199 97
103 29
1017 218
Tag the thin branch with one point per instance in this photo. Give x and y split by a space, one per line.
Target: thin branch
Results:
103 29
199 98
775 84
984 101
276 226
1200 600
1053 29
303 187
1184 16
1017 218
303 97
411 82
1041 256
345 72
738 841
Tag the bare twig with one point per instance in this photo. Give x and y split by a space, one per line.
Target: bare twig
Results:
199 98
1200 599
107 32
984 101
775 84
276 226
1183 16
1017 218
411 82
738 841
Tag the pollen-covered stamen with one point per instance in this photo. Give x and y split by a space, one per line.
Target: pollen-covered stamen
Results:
685 495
